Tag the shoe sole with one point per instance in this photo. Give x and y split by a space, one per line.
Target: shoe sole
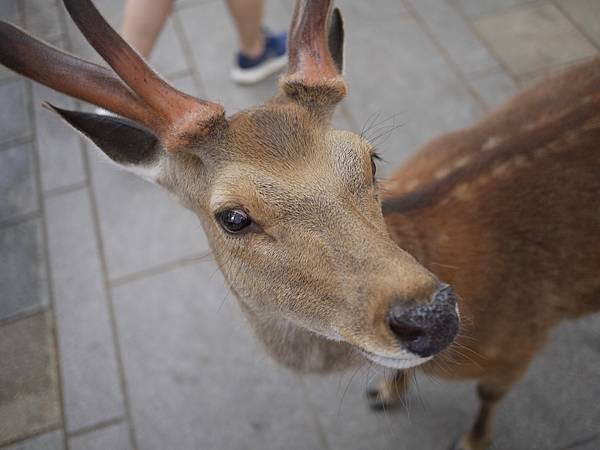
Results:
251 76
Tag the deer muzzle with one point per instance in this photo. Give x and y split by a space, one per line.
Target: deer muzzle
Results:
425 329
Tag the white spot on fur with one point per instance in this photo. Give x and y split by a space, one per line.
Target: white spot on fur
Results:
499 170
441 173
521 161
412 184
463 192
462 162
491 143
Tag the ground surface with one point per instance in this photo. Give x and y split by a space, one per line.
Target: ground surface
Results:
116 334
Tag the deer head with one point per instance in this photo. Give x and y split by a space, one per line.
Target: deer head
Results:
290 206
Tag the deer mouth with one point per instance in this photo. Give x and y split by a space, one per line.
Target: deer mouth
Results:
401 362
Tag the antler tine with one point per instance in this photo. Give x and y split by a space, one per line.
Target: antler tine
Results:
311 65
68 74
183 115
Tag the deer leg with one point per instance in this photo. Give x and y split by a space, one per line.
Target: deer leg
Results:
481 434
387 391
490 391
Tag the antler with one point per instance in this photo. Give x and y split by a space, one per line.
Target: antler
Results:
176 118
313 74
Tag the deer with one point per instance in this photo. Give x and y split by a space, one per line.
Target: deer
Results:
484 240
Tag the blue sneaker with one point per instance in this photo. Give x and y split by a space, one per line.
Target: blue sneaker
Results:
274 58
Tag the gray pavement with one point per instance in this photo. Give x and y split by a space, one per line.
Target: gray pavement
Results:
117 333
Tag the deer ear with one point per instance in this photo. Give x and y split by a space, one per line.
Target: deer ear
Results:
336 39
124 141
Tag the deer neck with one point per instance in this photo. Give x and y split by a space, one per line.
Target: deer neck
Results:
405 232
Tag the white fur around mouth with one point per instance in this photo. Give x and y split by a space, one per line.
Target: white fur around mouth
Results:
396 363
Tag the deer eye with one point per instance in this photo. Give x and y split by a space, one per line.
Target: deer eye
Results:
234 220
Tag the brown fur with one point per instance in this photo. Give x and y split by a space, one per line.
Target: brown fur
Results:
515 230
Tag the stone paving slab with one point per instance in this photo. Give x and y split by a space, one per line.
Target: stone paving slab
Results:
113 437
29 399
382 10
400 82
14 118
474 8
91 385
42 18
534 38
23 275
192 366
18 182
557 402
493 88
454 34
59 148
144 229
53 440
586 14
167 57
434 414
9 11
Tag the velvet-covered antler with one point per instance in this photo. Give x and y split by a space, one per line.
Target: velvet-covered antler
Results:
174 117
315 54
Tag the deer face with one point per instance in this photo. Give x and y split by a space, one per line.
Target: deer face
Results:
294 218
290 206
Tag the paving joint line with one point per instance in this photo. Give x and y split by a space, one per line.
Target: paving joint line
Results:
24 315
313 411
97 426
67 189
62 14
446 55
13 142
9 444
573 445
479 74
46 251
537 75
108 296
468 21
188 53
182 262
174 76
19 219
502 9
66 42
575 25
10 78
183 7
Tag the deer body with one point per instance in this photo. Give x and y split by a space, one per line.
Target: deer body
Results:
507 212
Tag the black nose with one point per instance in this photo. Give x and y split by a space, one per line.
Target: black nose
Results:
425 329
